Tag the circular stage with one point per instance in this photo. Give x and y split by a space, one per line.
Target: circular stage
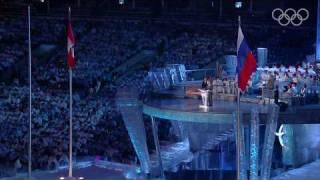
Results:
223 112
189 110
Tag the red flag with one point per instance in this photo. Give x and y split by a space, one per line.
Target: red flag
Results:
70 46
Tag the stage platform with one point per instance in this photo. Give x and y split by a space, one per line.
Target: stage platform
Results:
189 110
222 112
213 129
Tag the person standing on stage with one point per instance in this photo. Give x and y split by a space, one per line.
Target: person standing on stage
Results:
276 95
204 83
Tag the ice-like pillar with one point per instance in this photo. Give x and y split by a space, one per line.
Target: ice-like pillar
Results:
182 128
254 144
243 158
157 144
271 126
231 64
262 56
131 110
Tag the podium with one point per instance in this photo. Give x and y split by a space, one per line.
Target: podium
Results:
206 99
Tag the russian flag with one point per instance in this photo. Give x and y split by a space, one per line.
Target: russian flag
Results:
247 63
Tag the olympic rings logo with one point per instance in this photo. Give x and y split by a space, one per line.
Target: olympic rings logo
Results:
284 18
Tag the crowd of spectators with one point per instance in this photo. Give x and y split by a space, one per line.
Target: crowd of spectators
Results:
93 118
293 85
101 47
11 42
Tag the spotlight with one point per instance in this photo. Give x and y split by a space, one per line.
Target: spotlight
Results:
238 4
121 2
42 1
61 178
81 178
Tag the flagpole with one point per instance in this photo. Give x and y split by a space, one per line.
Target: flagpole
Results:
30 97
70 124
238 124
70 116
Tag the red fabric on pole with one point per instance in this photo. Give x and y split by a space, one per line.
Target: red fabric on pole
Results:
70 47
249 67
